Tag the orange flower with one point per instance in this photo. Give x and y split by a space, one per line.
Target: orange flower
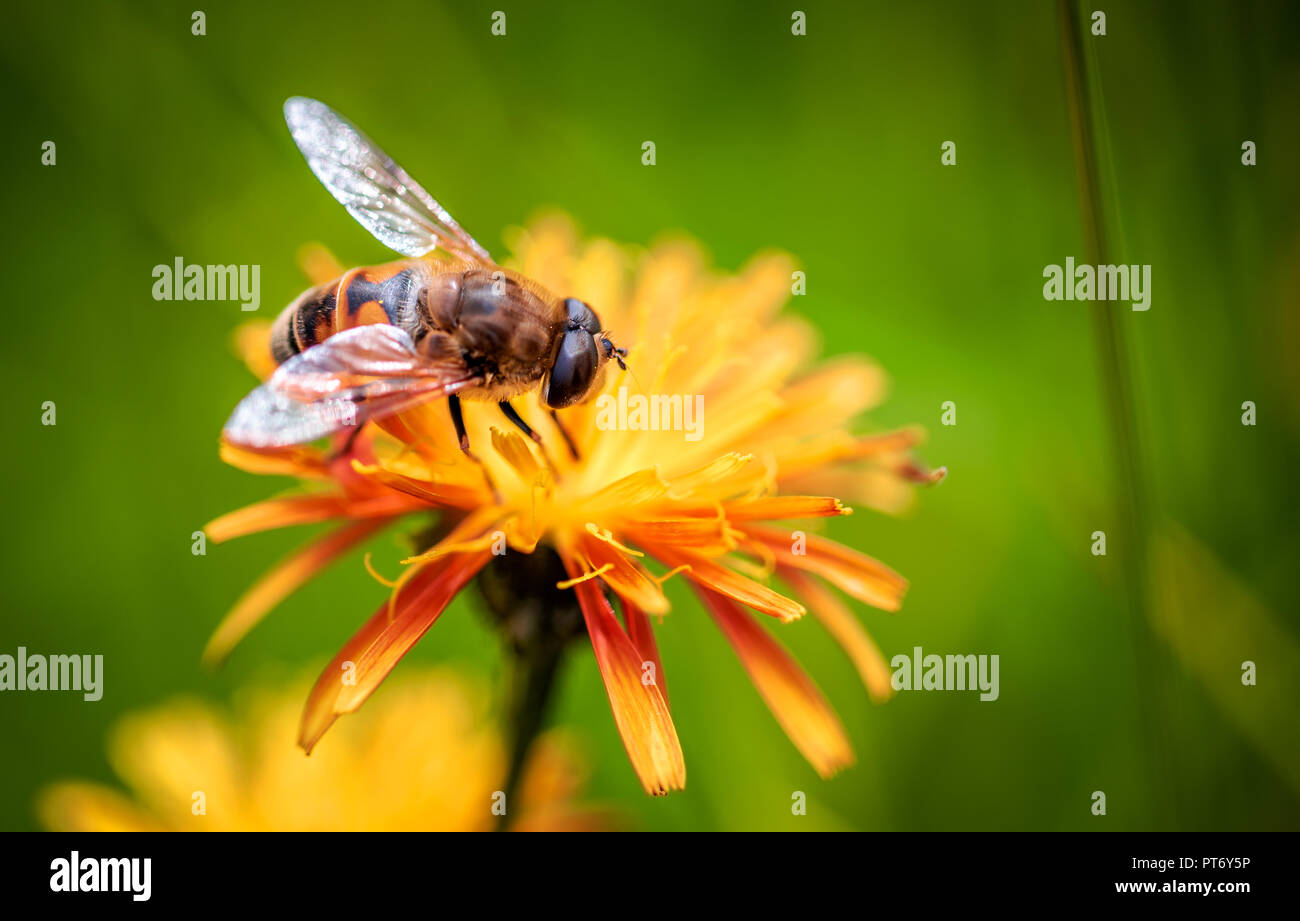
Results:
638 505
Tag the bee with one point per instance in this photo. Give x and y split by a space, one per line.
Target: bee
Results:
446 322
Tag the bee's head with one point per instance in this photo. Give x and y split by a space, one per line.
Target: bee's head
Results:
583 350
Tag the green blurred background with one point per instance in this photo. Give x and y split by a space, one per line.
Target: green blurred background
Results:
826 145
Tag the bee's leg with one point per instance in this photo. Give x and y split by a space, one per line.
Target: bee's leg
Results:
458 420
517 421
573 449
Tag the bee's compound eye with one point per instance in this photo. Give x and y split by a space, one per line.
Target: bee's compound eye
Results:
574 369
581 316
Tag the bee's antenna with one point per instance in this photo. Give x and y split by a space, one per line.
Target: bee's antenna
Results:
619 355
635 379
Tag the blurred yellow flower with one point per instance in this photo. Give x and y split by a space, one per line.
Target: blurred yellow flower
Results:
424 756
631 505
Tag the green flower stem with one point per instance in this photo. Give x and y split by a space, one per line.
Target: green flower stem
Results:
1087 121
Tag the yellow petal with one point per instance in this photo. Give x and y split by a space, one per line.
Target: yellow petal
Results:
83 807
380 644
730 583
844 627
861 576
790 694
640 712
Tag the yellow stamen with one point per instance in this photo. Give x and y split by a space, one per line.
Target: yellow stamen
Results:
602 534
570 583
660 580
374 574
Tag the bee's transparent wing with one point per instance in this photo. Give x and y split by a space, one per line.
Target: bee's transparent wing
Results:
376 191
352 377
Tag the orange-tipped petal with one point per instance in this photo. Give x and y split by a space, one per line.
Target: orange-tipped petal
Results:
844 627
632 490
297 461
706 534
924 476
381 643
640 712
837 448
643 638
442 495
886 442
856 573
743 589
773 508
282 581
719 476
843 387
624 575
789 693
281 513
516 452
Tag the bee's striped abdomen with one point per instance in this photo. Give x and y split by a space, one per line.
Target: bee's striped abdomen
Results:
305 322
387 294
383 294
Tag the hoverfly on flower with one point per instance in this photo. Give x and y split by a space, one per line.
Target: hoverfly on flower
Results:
583 540
445 322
